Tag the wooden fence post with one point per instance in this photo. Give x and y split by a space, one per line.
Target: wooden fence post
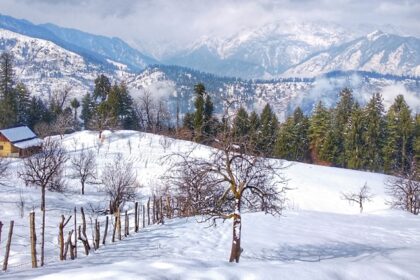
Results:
68 244
115 228
136 219
61 235
148 212
1 225
126 225
75 233
33 239
97 234
119 223
105 231
82 233
154 210
9 242
144 215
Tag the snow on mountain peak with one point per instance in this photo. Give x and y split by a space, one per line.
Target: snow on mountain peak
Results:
375 35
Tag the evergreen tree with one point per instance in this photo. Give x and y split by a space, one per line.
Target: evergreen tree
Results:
398 149
417 143
301 135
241 124
293 138
208 121
8 96
285 140
7 76
254 128
188 121
102 88
354 143
374 134
37 112
23 104
267 132
319 126
334 150
199 102
75 104
88 109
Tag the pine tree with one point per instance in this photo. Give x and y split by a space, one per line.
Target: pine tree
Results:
334 150
319 126
301 135
7 76
37 112
102 88
8 96
23 104
88 109
417 142
285 140
267 132
398 149
374 135
241 124
354 144
199 90
293 138
254 128
75 104
208 121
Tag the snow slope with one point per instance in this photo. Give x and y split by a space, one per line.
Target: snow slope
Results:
319 235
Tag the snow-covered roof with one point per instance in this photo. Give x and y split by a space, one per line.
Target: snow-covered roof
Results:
17 134
28 143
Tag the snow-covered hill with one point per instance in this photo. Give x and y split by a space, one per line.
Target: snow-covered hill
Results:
45 67
378 51
93 47
319 236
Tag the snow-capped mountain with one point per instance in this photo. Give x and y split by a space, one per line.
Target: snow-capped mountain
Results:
301 49
260 52
98 49
378 51
45 67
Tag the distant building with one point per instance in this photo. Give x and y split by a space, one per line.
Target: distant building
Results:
18 142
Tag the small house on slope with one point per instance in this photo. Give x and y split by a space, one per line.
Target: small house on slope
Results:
18 142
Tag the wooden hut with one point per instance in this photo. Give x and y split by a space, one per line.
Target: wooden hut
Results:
18 142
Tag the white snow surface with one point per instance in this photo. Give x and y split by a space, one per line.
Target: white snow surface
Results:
319 236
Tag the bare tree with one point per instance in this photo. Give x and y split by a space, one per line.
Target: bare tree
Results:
404 189
59 98
119 180
237 180
83 165
145 110
4 169
43 170
362 196
63 123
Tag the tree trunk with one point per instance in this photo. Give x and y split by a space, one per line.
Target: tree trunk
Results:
236 240
83 187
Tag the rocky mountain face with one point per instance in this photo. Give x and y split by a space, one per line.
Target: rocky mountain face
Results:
377 52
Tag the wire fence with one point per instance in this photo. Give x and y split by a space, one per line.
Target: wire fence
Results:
117 226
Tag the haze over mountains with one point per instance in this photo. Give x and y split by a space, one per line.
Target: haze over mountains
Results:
330 57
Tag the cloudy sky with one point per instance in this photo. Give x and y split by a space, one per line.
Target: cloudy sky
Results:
181 21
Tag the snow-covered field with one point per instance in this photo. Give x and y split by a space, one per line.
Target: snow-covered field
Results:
319 236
